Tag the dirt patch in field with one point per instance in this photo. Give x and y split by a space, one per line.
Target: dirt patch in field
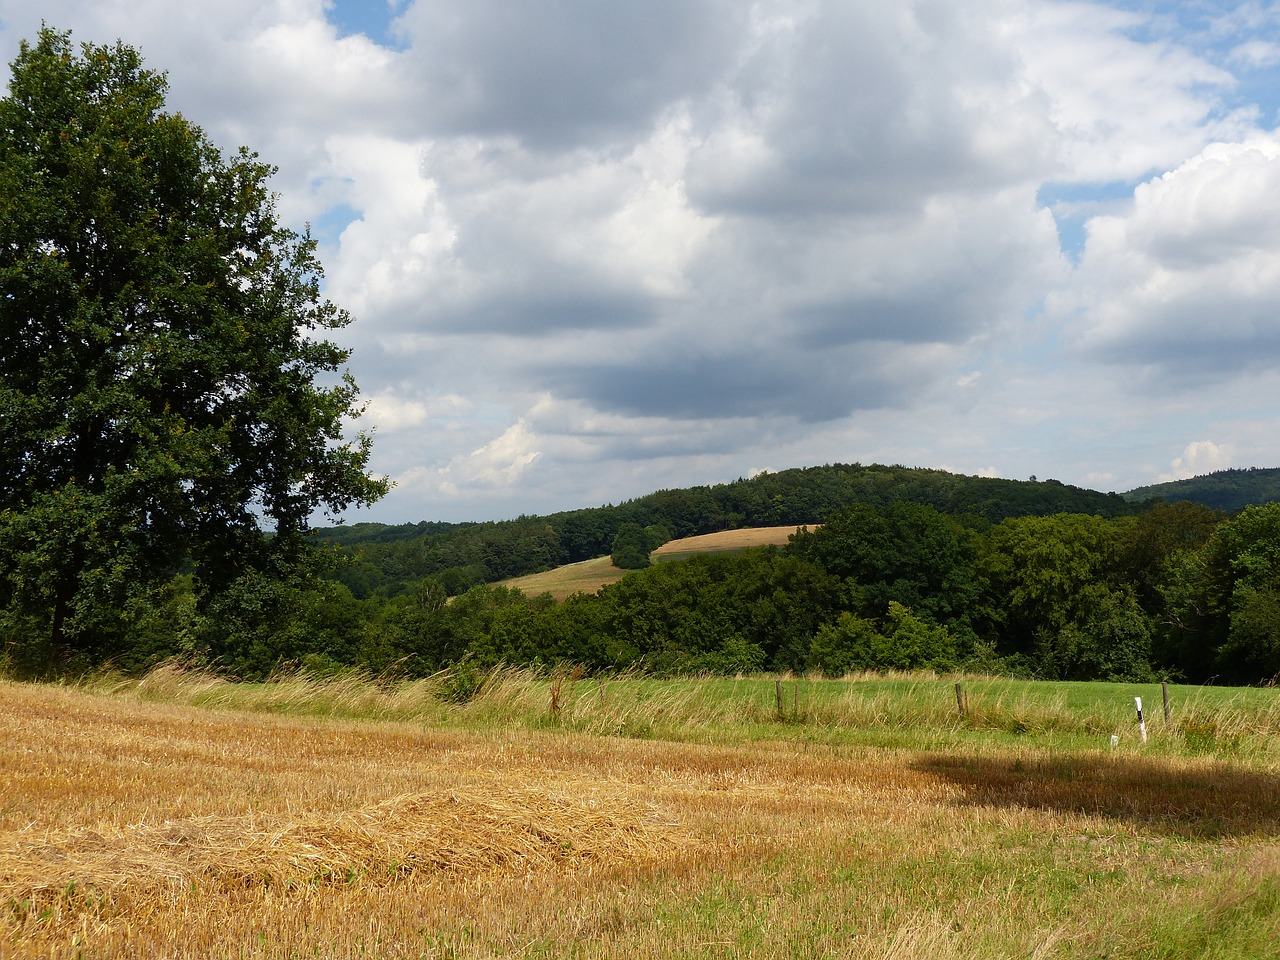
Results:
589 576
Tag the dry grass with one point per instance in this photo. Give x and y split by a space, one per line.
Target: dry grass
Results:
132 826
725 541
589 576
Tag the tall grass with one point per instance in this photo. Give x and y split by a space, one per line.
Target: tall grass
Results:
906 710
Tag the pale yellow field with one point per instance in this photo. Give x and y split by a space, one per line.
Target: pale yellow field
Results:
588 576
130 828
727 540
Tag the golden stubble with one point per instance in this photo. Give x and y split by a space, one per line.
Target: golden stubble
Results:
133 828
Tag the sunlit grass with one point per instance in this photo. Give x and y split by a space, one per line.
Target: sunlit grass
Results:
908 711
184 816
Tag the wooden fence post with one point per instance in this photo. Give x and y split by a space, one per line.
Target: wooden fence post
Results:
1164 689
777 689
960 704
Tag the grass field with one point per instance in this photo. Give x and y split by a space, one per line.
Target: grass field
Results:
183 816
588 576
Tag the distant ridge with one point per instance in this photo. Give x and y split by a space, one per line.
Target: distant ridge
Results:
1227 490
391 558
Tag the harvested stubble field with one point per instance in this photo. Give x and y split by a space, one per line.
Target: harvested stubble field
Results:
589 576
183 817
726 541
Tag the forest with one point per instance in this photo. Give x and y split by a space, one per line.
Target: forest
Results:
1229 490
890 568
459 556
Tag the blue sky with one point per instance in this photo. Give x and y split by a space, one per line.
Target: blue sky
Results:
596 249
372 18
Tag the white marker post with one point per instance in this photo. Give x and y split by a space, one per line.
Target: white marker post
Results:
1142 724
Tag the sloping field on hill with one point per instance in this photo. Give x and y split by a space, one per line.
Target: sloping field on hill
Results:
726 541
589 576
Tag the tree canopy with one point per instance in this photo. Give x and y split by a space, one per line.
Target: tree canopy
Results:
168 399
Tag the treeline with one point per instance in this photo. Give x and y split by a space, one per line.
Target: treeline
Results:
1178 592
1121 592
390 560
1227 490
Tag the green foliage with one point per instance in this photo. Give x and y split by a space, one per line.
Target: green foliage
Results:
463 555
1044 573
461 682
1224 599
1112 643
1149 540
161 354
540 631
905 552
914 642
683 611
734 655
630 550
906 643
279 615
850 644
1226 490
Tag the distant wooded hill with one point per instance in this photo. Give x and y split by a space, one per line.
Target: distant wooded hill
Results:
463 555
1226 490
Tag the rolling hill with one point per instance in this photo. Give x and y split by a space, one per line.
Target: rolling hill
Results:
1226 490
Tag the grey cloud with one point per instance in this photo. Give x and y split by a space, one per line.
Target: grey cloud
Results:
564 72
1197 340
545 314
677 439
773 382
867 107
759 233
1185 285
902 320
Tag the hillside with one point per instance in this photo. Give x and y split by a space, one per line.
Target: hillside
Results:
460 556
1226 490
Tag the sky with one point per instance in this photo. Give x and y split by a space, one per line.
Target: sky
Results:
597 248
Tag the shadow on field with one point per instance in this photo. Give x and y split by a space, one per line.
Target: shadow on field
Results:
1202 802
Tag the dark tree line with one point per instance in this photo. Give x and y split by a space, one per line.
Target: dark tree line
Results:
1227 490
392 558
1177 591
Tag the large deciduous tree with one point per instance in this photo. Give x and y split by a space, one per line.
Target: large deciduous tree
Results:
167 395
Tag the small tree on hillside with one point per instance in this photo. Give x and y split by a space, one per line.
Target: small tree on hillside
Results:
631 548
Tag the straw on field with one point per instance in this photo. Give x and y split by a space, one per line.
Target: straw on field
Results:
462 832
